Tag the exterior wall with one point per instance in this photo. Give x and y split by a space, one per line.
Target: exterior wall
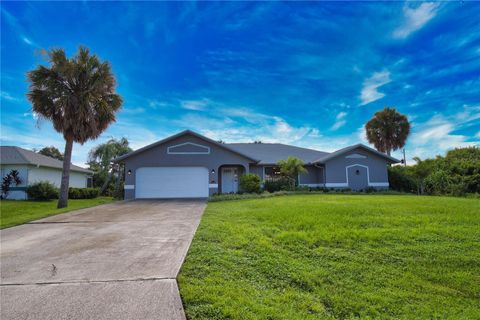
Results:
31 174
158 156
313 178
258 170
16 192
77 179
336 169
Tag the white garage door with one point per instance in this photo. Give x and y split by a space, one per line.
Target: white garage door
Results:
171 182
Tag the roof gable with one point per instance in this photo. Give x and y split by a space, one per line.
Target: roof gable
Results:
351 148
186 148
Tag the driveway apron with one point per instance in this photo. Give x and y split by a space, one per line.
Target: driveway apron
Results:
116 261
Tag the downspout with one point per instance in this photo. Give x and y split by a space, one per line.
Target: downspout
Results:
317 165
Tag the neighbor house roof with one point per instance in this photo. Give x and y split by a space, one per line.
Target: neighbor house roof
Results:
339 152
17 155
271 153
221 145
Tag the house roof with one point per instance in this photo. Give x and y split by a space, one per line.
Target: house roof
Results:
271 153
17 155
350 148
266 153
221 145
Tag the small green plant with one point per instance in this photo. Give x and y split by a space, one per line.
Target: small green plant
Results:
119 192
291 168
42 191
250 183
12 177
278 184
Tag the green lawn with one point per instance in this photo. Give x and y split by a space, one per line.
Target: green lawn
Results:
335 257
15 212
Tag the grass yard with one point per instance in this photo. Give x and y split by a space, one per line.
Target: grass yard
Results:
335 257
15 212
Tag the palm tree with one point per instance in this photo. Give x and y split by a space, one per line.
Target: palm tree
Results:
103 155
78 96
388 130
291 168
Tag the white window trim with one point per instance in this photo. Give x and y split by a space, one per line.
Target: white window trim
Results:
213 185
188 143
358 165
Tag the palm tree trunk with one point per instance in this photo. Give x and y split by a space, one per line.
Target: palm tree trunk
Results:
63 197
105 184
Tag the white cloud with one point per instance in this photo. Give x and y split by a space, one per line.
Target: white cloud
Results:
7 96
477 135
339 120
370 91
414 18
197 105
27 41
437 135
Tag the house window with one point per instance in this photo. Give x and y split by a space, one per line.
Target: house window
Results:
272 172
89 182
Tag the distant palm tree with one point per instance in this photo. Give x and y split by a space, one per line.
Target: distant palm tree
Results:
104 153
388 130
78 96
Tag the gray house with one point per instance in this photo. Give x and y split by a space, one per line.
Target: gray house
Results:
189 165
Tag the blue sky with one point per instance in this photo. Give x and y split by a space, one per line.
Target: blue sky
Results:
309 74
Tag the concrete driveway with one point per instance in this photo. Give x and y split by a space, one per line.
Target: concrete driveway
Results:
116 261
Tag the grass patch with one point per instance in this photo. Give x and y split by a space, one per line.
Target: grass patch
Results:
335 257
15 212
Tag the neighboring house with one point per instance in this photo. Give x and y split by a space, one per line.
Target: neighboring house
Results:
34 167
189 165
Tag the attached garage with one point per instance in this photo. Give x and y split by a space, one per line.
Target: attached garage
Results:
171 182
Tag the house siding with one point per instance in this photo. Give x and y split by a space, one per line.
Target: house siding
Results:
335 169
158 156
314 177
258 170
32 174
77 179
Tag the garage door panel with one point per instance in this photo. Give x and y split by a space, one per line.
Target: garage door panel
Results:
171 182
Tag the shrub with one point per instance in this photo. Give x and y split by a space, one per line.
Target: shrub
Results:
400 178
118 192
250 183
438 182
42 190
83 193
278 184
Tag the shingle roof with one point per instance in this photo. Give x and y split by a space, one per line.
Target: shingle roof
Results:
347 149
17 155
271 153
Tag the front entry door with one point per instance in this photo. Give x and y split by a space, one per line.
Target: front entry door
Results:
229 180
